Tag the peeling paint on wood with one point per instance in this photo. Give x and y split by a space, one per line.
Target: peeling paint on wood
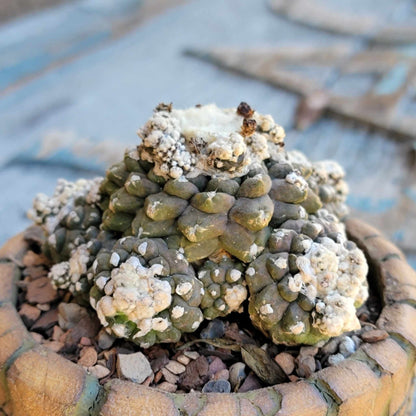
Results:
313 14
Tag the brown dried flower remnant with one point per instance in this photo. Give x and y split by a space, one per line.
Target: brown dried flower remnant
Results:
208 140
244 110
249 127
164 107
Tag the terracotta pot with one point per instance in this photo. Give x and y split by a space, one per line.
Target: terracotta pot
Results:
376 380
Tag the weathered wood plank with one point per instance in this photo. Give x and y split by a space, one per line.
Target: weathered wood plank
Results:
109 93
10 9
31 46
309 70
316 15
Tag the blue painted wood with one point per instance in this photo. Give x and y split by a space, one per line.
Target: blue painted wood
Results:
108 93
32 45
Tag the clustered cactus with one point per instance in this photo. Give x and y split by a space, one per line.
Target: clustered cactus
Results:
208 205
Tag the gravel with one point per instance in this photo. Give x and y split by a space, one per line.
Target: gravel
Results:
134 367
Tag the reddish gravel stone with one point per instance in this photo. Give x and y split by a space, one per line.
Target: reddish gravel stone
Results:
196 374
33 259
374 335
250 383
87 327
215 366
30 314
41 291
87 357
286 362
46 321
35 272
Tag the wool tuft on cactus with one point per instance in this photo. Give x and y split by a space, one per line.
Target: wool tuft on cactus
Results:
209 215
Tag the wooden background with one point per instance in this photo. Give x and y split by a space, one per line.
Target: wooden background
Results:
78 79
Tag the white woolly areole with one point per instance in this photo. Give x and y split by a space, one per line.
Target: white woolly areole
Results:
177 311
66 275
58 274
266 309
49 211
297 328
208 140
138 294
235 296
335 278
183 288
235 275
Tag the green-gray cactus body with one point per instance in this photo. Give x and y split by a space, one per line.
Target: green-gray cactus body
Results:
145 291
70 217
208 203
74 274
224 287
202 215
307 285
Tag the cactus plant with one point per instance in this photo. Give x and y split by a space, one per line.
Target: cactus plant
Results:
209 203
215 190
69 218
308 284
144 291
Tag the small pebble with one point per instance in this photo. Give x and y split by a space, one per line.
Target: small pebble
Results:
175 367
217 386
306 366
250 383
99 371
37 337
169 377
158 376
134 367
44 307
215 329
158 363
69 314
46 321
196 374
57 333
193 355
286 362
168 387
237 374
87 357
346 346
33 259
335 359
357 341
41 291
331 346
85 341
311 351
54 346
183 359
105 340
148 380
102 362
216 365
29 314
374 335
222 375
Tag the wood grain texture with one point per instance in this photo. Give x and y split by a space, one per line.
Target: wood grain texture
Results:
105 91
